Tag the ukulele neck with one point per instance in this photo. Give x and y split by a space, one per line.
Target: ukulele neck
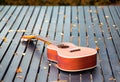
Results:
48 41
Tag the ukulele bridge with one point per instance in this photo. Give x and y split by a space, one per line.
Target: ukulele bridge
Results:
74 50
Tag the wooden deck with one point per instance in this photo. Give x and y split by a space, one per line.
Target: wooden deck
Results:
91 26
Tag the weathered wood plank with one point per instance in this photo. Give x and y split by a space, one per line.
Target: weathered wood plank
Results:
59 27
58 38
85 76
44 69
3 11
89 39
10 51
75 77
9 76
2 35
113 60
96 74
74 22
67 22
30 49
66 38
6 25
53 23
103 59
113 22
53 71
90 35
118 10
118 14
35 59
44 65
18 53
111 50
37 56
82 26
21 47
1 8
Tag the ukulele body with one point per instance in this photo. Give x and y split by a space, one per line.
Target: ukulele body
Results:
73 58
68 58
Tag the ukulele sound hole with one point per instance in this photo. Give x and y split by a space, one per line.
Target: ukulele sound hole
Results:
63 46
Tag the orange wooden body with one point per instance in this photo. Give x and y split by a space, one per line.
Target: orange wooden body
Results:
66 60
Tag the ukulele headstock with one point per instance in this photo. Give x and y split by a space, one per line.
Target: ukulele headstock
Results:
28 37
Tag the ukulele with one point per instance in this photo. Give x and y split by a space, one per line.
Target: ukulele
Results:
68 56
